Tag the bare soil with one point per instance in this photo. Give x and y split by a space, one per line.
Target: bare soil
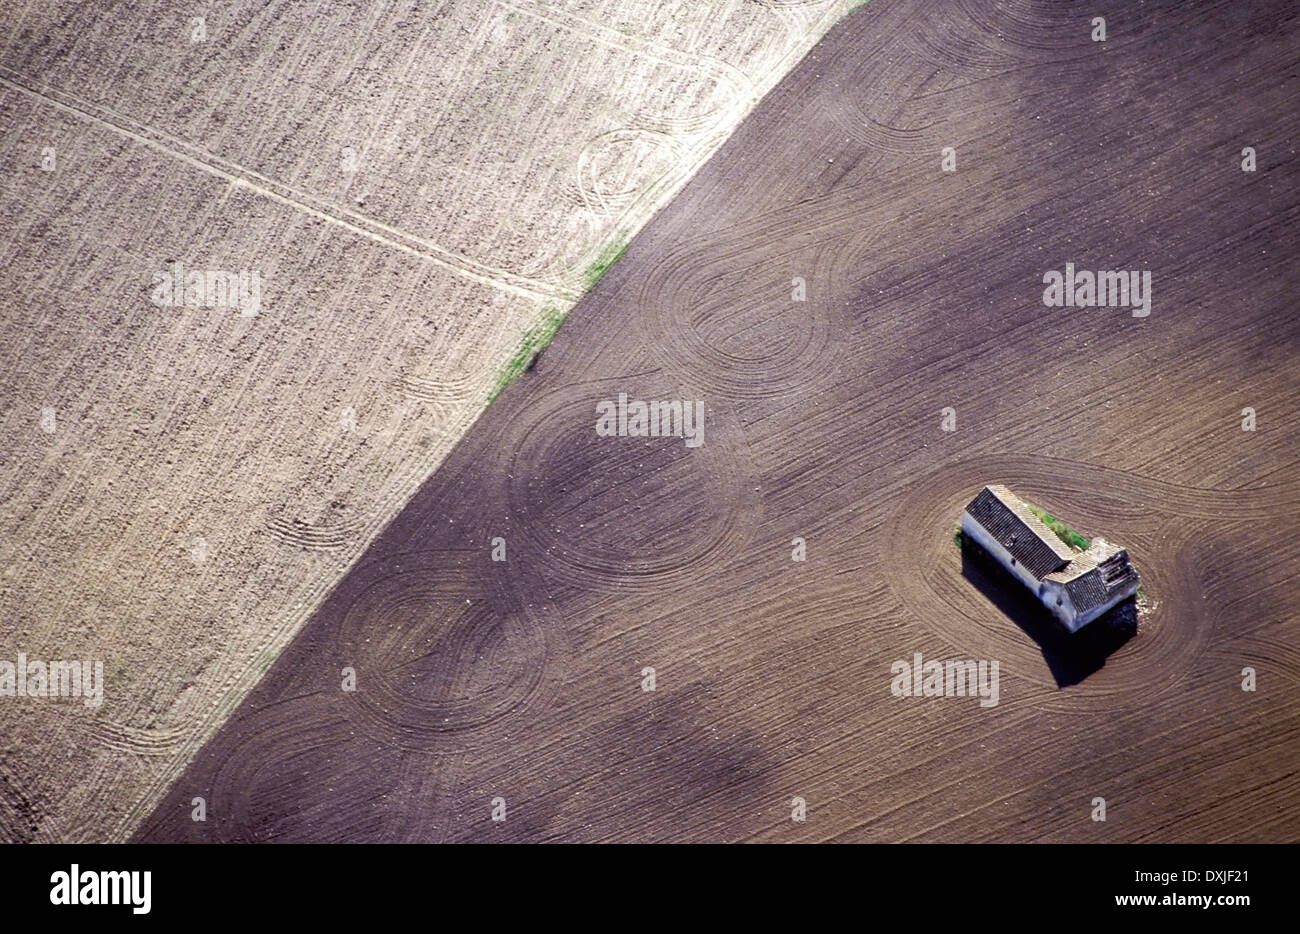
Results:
419 186
523 679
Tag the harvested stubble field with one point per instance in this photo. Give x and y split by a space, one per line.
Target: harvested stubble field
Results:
419 187
522 679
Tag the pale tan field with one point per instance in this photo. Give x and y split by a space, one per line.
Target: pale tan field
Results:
418 186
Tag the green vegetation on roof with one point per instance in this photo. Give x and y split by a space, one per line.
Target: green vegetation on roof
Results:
1063 531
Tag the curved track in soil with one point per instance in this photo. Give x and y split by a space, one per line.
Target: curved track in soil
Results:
522 678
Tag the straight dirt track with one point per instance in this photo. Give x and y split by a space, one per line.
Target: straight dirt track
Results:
522 680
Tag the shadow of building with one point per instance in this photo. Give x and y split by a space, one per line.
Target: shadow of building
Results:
1071 657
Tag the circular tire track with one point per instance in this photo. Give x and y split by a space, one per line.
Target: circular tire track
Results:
626 514
924 569
443 396
441 649
137 741
266 779
438 649
321 536
640 148
719 337
971 39
871 116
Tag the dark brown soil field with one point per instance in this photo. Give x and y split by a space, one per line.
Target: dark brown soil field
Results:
522 679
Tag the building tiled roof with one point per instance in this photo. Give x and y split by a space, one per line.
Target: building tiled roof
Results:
1087 591
1095 575
1011 523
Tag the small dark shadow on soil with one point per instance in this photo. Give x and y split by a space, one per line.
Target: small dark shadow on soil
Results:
1071 657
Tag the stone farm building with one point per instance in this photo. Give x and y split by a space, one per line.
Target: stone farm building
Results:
1075 586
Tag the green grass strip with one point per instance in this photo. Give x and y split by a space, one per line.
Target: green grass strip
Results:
537 339
607 258
534 342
